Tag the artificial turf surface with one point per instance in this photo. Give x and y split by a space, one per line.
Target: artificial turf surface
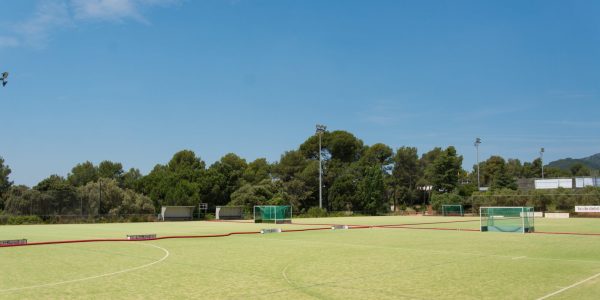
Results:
369 263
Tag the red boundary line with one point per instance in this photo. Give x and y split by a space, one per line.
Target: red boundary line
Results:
476 230
126 240
307 229
429 228
567 233
155 239
405 226
289 230
430 223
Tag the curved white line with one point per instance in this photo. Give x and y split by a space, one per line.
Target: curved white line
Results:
283 272
167 253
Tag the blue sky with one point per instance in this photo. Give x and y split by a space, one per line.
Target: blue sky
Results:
135 81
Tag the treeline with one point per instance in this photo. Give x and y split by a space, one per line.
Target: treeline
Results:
356 177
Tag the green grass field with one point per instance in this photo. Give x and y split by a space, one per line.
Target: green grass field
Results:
373 263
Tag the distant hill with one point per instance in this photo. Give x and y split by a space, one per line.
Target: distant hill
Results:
592 162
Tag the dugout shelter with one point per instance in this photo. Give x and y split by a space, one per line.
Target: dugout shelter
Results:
176 213
229 213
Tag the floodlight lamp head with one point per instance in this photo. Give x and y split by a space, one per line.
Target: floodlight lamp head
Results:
542 150
4 76
321 128
477 142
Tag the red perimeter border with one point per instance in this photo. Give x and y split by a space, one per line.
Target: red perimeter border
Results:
391 226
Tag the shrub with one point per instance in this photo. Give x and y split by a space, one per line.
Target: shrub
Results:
316 212
437 200
24 220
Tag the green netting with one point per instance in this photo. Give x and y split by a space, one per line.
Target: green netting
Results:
507 219
452 210
273 214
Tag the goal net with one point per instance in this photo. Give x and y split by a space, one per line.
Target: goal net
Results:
273 214
452 210
507 219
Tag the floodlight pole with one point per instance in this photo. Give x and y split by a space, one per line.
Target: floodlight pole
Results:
320 130
542 160
99 196
477 143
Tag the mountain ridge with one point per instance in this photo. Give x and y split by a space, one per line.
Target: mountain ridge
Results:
592 162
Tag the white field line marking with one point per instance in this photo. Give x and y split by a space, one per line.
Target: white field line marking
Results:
332 283
571 286
285 275
167 253
519 257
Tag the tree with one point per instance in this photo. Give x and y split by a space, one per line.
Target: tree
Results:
491 169
310 148
533 169
83 173
437 200
514 168
5 183
290 164
182 193
186 165
211 184
310 196
579 169
496 174
406 173
426 163
343 194
105 197
58 196
110 170
378 154
258 194
21 200
227 174
503 180
297 193
131 179
101 197
297 180
343 146
177 183
552 172
372 191
445 170
257 171
156 184
134 203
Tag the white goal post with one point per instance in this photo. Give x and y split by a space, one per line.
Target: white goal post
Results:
507 219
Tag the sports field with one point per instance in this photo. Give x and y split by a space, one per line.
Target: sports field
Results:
411 260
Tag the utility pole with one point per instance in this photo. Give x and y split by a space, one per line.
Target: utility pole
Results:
320 130
100 196
542 160
477 143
